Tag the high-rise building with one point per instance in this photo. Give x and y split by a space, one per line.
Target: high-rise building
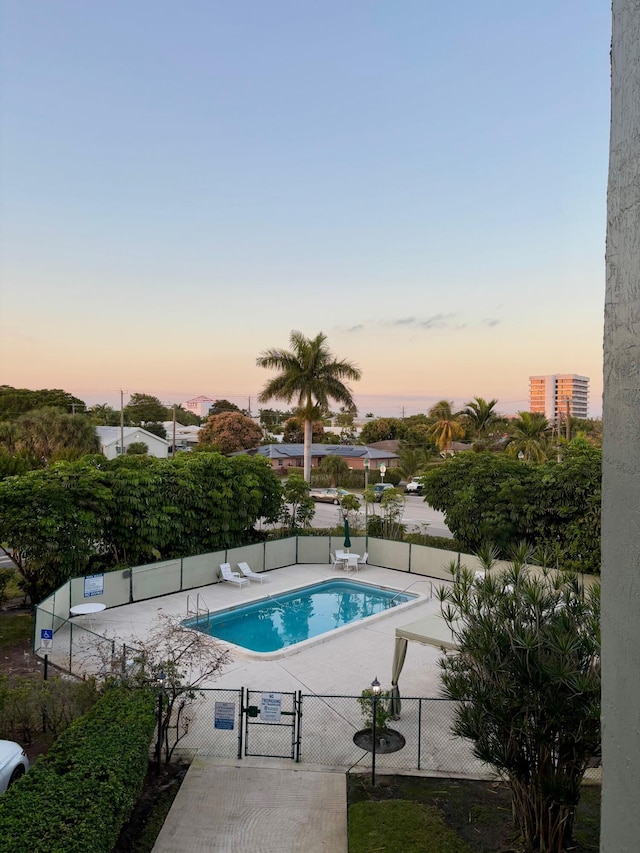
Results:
550 395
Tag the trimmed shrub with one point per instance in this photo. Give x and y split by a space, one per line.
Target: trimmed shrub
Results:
78 796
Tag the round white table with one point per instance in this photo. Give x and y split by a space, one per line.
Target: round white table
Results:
88 609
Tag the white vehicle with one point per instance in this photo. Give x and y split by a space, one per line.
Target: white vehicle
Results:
13 763
414 487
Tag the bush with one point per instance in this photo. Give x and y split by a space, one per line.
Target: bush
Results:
78 796
25 703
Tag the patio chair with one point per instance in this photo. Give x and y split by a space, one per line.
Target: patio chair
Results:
232 577
336 562
248 572
362 561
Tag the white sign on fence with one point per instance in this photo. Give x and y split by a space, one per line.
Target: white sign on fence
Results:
270 707
224 715
93 585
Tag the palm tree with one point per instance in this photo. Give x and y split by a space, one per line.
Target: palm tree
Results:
529 437
445 427
412 460
309 374
480 415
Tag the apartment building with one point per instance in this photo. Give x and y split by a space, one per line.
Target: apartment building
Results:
549 395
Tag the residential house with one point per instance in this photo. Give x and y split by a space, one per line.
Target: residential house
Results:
110 441
292 455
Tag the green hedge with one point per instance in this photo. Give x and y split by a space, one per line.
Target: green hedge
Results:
77 797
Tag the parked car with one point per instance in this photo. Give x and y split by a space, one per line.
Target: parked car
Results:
414 487
328 496
13 763
380 488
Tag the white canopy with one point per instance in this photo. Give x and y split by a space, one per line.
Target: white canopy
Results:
430 631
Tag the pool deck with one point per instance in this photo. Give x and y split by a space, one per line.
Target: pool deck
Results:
262 804
344 661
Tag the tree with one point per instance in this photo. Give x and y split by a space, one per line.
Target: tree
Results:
383 429
49 435
297 507
137 448
103 415
336 468
230 432
309 374
52 523
529 437
18 401
143 408
156 429
527 680
273 417
412 461
174 660
387 525
445 428
481 415
552 505
220 406
293 432
184 417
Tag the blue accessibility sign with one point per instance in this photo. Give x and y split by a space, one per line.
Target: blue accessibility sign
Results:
46 639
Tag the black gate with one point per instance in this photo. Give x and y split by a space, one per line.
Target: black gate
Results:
272 724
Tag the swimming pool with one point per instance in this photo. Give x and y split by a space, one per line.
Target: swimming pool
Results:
283 620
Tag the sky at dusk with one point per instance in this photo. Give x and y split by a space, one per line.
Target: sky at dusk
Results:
185 183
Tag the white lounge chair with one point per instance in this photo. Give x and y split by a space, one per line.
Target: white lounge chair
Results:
248 572
232 577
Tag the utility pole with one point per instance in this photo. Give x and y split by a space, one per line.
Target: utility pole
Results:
568 413
121 422
249 408
173 440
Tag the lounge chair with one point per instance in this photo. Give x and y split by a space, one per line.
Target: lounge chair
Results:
232 577
248 572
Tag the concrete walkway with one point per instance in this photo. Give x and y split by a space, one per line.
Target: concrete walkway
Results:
266 806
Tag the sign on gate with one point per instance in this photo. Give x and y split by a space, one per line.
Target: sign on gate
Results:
224 715
270 707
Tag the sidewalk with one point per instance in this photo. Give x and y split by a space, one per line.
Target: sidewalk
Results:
263 807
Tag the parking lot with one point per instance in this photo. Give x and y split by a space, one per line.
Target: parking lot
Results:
417 514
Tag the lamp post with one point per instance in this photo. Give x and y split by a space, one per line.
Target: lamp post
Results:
367 463
375 691
160 681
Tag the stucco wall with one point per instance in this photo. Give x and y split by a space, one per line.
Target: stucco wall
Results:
621 449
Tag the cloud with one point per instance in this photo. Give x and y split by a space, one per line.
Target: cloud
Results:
491 321
438 321
355 328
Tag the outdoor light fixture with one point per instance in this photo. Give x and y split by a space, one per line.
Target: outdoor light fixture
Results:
375 690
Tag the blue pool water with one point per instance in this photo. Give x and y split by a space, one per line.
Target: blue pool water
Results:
288 618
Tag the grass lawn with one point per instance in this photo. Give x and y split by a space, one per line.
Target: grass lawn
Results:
411 814
15 626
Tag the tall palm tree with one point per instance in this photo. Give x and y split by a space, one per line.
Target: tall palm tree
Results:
445 428
529 437
310 374
480 415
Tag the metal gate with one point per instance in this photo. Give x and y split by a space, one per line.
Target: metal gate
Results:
272 724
